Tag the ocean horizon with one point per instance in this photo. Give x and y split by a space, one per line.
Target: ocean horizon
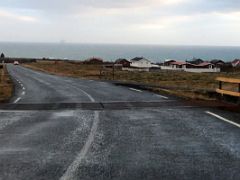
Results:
111 52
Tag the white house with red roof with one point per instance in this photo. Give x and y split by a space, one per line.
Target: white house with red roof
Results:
188 67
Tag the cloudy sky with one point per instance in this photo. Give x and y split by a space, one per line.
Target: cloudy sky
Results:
173 22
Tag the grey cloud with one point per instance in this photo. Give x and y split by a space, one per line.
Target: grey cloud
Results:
192 7
66 5
213 5
72 6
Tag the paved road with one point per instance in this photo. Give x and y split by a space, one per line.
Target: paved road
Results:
165 142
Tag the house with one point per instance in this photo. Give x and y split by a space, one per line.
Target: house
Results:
140 62
188 67
93 61
167 62
195 61
123 62
236 63
217 62
205 65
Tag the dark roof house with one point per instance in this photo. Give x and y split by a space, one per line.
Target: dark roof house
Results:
140 62
196 61
93 61
123 62
218 62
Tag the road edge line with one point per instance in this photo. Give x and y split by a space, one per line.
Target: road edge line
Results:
164 97
223 119
133 89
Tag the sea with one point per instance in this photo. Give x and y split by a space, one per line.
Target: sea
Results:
111 52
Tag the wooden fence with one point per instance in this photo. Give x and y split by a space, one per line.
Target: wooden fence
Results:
222 80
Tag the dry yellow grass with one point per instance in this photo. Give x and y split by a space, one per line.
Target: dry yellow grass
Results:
67 69
184 84
6 85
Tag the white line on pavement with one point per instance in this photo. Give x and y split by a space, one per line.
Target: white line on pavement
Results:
71 170
133 89
165 97
23 93
18 99
23 88
222 118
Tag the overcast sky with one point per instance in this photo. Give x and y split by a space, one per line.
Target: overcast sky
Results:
173 22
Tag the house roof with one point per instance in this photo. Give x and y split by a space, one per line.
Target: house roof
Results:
204 64
122 59
178 63
236 62
196 61
187 63
216 61
169 60
139 59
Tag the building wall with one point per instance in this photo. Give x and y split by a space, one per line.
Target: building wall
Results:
201 70
196 70
141 64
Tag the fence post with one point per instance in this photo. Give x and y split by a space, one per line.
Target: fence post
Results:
220 84
2 73
113 71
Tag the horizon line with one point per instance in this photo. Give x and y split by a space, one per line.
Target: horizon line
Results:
105 43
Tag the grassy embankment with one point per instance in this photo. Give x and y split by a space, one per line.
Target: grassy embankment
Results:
6 85
182 84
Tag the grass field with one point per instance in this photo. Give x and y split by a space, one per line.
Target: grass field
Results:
6 85
183 84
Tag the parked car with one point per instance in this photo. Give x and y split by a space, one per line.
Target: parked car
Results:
16 63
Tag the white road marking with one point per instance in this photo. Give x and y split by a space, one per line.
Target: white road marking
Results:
103 82
23 88
222 118
133 89
165 97
23 93
88 95
18 99
71 170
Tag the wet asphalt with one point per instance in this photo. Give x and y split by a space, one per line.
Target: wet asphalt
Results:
142 142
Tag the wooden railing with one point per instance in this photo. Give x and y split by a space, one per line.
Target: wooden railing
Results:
228 92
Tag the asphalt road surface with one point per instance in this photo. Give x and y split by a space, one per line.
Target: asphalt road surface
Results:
65 128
